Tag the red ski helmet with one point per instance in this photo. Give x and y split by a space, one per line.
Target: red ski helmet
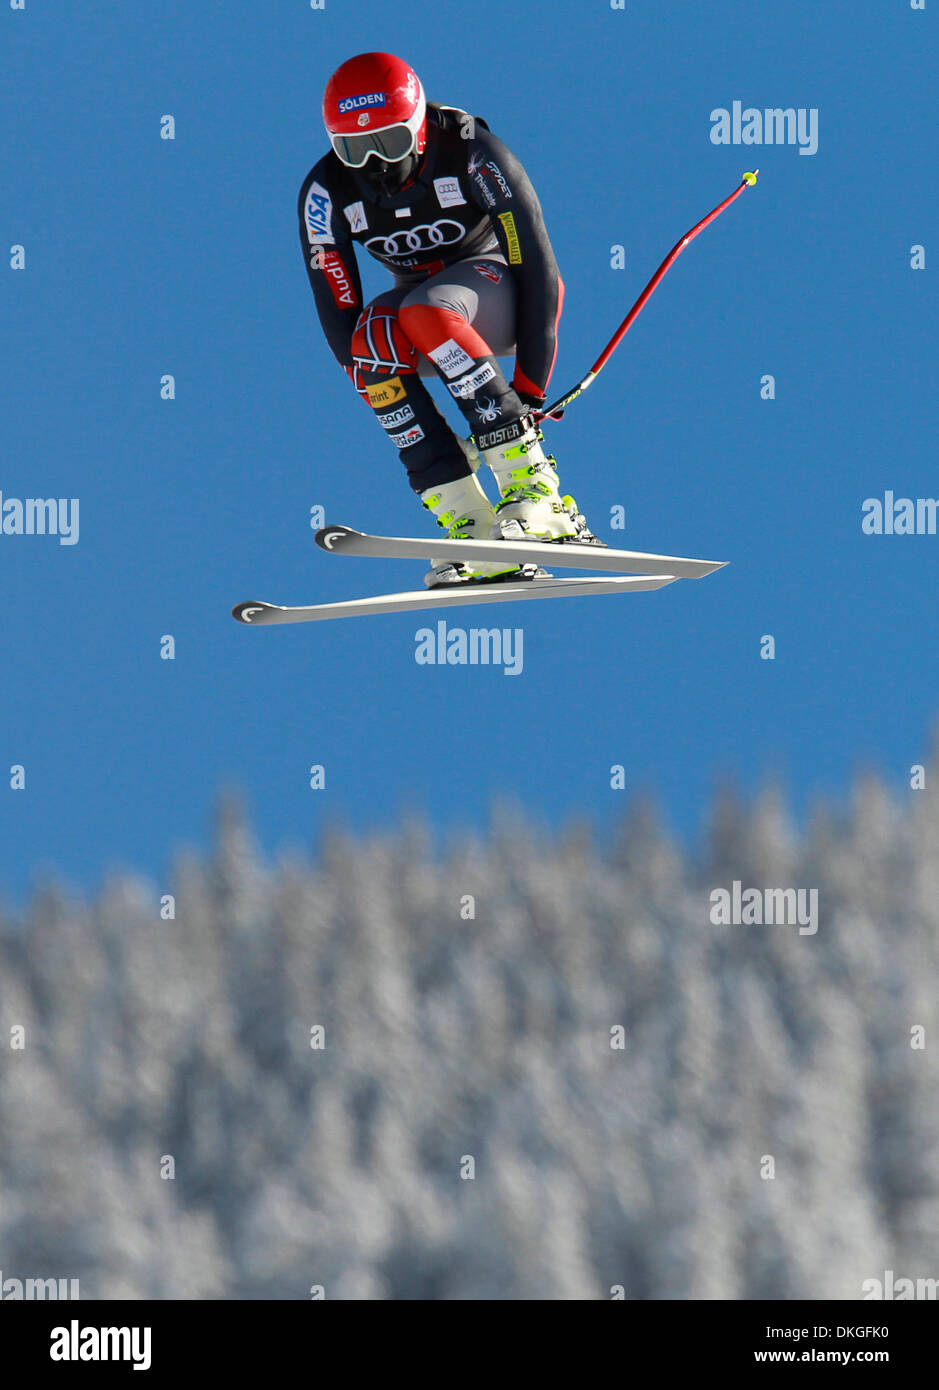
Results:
374 104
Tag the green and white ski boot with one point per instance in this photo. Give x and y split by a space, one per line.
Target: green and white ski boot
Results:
465 513
530 506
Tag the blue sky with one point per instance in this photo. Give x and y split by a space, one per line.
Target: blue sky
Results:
147 256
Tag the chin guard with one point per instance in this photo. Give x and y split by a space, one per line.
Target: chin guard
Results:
386 178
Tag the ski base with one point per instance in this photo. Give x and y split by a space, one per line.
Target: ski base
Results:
344 540
259 614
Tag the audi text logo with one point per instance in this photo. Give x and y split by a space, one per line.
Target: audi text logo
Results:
424 238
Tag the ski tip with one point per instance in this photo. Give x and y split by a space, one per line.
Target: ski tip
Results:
750 178
249 611
332 537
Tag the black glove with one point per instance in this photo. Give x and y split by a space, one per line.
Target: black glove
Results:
529 401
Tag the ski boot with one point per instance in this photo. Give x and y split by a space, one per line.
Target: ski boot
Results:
531 506
465 513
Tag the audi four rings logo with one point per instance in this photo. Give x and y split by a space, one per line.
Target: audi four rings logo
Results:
423 238
329 538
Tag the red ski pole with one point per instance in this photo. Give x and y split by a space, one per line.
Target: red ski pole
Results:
555 411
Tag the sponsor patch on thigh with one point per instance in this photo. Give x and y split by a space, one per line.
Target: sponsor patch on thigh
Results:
450 358
466 385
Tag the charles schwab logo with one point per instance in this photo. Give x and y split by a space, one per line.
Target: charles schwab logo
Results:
451 358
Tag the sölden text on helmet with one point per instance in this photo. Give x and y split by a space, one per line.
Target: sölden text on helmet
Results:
374 108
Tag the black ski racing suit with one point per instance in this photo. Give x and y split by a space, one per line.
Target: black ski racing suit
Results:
466 243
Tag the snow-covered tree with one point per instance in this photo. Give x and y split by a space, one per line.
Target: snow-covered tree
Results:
513 1067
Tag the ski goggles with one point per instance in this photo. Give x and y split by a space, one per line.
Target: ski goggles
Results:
393 144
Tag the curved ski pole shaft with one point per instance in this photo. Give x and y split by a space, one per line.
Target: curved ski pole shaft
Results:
748 180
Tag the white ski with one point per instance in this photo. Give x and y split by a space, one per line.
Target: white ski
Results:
258 614
343 540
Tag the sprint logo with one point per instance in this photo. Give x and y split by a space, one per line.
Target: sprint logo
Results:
386 392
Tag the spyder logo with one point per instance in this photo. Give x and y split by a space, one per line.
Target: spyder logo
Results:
487 411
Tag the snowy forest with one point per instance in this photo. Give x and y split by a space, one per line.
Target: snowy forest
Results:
518 1065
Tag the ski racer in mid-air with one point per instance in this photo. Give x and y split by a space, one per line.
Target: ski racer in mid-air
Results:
433 195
